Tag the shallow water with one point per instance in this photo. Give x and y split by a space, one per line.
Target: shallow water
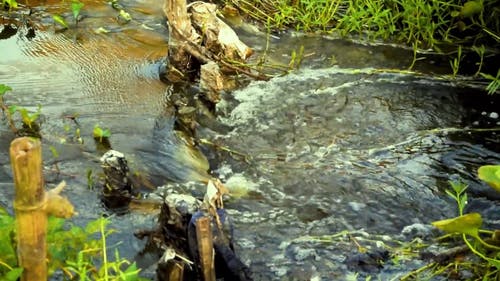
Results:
334 146
335 151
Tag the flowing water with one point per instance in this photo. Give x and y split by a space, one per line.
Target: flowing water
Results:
335 146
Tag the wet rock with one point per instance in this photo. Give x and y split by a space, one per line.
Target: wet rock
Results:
117 189
370 262
355 206
419 230
301 254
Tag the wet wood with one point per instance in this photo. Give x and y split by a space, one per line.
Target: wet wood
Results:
180 30
220 43
205 248
32 205
171 270
218 37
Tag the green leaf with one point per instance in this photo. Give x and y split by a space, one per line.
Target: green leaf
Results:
95 225
463 200
100 133
7 251
494 262
466 224
454 196
106 133
471 8
13 275
60 20
12 109
491 175
76 7
458 186
131 273
12 4
4 89
54 151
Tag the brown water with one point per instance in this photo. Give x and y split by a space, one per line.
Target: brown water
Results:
335 146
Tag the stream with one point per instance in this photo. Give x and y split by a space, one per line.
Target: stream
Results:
332 155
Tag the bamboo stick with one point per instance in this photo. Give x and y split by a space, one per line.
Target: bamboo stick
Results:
32 205
31 219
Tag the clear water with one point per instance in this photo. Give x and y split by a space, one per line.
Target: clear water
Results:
334 146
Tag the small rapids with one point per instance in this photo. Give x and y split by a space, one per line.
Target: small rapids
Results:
321 162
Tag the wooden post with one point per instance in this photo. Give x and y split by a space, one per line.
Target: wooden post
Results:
32 205
205 248
31 219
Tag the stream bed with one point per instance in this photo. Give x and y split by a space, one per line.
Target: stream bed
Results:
329 158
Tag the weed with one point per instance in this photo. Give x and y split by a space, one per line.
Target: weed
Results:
421 24
494 84
455 64
9 4
76 6
469 225
480 51
30 120
71 250
101 134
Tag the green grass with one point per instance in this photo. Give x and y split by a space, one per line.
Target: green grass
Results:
445 26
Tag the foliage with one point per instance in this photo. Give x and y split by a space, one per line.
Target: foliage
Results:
4 89
10 4
440 25
491 175
100 133
60 20
76 7
74 250
8 258
494 84
469 225
29 120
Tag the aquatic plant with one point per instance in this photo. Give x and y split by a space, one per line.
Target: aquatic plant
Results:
76 7
30 123
468 226
101 134
75 251
60 20
436 25
29 118
494 85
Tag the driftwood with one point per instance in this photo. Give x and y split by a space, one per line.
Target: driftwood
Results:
198 37
32 205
